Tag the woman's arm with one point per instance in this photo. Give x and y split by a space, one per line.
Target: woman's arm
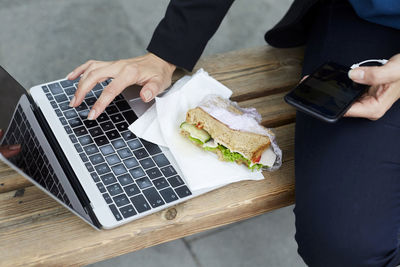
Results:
178 40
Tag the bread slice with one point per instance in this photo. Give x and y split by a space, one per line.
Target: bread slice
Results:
250 145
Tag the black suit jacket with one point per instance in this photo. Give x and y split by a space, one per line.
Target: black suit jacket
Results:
188 25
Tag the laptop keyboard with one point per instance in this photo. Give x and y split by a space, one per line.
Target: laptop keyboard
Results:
32 159
133 175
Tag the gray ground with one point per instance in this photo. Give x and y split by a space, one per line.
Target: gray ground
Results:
43 40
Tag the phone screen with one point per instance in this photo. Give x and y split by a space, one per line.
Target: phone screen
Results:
327 93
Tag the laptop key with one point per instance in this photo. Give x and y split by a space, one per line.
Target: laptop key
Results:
128 211
125 179
116 118
121 200
55 88
53 104
161 160
124 153
140 203
131 163
101 187
108 178
73 138
70 91
83 113
102 117
58 112
153 197
107 198
147 163
128 135
95 177
69 114
169 195
111 109
61 98
81 107
113 159
134 144
130 116
122 105
90 123
101 140
45 89
95 131
112 134
119 169
66 83
85 140
160 183
49 96
78 148
151 148
153 173
64 106
132 190
89 167
102 168
106 150
175 181
122 126
63 121
97 87
168 171
84 157
91 149
183 191
90 101
140 153
143 182
118 143
114 189
116 213
75 122
107 125
96 159
79 131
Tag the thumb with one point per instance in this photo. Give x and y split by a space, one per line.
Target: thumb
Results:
150 90
388 73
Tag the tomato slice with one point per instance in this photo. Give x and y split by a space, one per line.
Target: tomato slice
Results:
257 160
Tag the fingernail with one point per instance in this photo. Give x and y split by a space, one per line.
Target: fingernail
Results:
147 95
72 103
70 74
356 74
14 147
92 114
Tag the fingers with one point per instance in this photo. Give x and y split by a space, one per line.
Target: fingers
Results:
89 80
151 89
10 151
79 70
123 80
387 73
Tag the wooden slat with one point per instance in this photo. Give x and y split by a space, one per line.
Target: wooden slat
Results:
10 180
64 240
254 72
273 109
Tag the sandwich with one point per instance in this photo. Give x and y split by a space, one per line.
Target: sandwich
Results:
234 134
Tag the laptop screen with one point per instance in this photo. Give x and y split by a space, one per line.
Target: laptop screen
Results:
10 93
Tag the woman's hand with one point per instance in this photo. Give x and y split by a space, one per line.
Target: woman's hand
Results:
384 90
149 71
9 150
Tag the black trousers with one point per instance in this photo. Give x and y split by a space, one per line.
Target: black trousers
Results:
348 173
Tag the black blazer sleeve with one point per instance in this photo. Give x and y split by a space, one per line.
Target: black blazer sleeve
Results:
183 33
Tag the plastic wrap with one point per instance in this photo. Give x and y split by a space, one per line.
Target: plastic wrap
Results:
241 119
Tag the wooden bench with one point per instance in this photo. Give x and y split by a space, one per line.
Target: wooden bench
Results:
35 230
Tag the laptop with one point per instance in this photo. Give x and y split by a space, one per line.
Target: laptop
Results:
99 170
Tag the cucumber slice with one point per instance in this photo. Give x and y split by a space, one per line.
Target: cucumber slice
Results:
194 132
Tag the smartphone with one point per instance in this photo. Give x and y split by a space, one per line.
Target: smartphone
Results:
327 93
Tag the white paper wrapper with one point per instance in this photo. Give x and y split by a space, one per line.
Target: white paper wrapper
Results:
241 119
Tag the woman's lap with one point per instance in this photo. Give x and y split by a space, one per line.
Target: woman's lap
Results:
347 173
